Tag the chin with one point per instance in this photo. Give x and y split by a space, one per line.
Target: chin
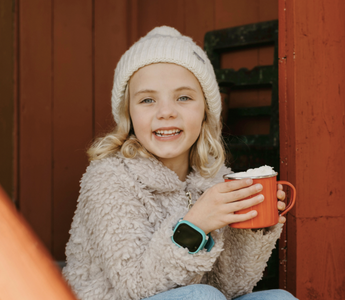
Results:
167 156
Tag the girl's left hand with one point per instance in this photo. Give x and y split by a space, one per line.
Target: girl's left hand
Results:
281 204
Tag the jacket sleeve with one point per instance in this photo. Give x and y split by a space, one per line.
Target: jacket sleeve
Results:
241 264
112 238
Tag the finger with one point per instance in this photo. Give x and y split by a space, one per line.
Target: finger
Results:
243 204
281 205
233 185
242 193
235 218
280 186
281 194
282 219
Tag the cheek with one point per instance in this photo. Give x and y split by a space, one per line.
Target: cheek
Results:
195 124
135 121
135 117
140 125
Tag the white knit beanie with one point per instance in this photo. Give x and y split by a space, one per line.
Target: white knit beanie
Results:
166 44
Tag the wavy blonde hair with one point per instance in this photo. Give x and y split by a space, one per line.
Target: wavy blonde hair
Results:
206 154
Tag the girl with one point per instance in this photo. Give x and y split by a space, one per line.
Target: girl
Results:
153 209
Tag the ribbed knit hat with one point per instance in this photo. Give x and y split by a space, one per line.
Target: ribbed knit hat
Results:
165 44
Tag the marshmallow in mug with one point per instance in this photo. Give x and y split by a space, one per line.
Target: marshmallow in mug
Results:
264 171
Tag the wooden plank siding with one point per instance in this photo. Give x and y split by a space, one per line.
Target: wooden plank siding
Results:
36 116
111 40
68 52
312 128
7 97
73 116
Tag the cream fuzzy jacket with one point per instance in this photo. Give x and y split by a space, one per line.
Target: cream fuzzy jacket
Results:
120 245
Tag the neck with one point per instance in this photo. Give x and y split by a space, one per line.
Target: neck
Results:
179 165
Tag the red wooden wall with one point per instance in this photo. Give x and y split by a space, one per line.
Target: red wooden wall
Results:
67 52
7 96
312 136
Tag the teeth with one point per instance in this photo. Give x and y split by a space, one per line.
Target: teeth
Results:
167 132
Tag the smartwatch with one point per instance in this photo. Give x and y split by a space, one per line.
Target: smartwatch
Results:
187 235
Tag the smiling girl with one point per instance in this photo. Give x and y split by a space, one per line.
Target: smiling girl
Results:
153 210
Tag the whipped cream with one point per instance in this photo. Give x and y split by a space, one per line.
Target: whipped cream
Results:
261 171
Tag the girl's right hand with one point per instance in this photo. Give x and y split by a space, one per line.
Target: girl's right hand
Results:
215 208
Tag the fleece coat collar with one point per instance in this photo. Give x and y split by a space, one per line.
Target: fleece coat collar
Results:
163 179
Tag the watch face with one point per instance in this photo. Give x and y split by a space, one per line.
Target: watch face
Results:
187 237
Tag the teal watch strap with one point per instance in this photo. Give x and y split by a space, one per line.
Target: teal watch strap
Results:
210 243
189 236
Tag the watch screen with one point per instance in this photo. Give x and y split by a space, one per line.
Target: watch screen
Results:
187 237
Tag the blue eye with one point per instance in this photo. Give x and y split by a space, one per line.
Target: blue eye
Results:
184 98
148 100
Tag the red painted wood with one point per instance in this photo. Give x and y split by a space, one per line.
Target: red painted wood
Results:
283 135
27 269
287 135
252 97
15 191
199 19
35 116
7 53
320 269
236 13
313 117
152 13
244 58
320 140
132 22
73 110
110 43
268 10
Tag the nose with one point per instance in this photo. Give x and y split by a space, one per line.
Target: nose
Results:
166 110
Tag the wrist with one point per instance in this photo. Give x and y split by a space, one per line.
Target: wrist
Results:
188 217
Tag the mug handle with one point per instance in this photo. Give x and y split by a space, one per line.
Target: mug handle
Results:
292 198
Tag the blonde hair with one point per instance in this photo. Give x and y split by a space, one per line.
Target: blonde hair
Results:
206 154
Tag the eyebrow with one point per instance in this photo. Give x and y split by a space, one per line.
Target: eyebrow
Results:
176 90
145 92
185 88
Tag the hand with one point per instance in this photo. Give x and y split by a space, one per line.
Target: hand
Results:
215 208
281 205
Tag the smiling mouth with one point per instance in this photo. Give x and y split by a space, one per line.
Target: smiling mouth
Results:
167 133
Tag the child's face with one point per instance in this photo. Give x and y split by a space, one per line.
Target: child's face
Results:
167 108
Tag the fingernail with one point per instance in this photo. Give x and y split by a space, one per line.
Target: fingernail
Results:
254 213
261 198
258 187
249 181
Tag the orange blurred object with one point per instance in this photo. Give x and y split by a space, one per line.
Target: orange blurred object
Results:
27 271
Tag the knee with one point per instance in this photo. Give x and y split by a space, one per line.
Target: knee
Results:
281 295
204 291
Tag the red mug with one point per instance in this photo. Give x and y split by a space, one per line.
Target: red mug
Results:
267 210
